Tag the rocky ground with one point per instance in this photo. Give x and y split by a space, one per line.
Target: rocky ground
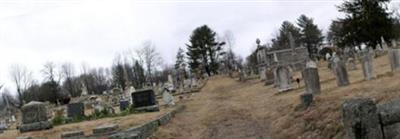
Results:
226 108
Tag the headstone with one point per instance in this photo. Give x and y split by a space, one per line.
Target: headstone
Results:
339 69
389 114
311 78
284 79
34 117
394 58
123 105
262 74
352 64
168 98
75 110
367 66
144 100
270 77
361 120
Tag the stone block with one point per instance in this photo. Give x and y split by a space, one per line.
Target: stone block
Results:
34 112
392 131
306 99
361 119
72 134
105 129
143 98
390 112
311 80
35 126
165 119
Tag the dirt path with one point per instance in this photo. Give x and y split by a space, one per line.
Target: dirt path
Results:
214 113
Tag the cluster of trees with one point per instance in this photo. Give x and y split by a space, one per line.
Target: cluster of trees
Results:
366 22
306 34
208 53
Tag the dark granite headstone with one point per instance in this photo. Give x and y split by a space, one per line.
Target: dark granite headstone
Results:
76 110
123 105
143 98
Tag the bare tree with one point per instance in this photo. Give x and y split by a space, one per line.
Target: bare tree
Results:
230 56
50 72
22 79
149 57
68 72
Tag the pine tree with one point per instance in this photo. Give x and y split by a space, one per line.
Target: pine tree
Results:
282 40
311 36
180 59
366 22
204 50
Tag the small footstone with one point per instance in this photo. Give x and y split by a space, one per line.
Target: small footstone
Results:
306 99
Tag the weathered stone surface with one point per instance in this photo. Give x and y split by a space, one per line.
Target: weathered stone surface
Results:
72 134
283 78
123 105
104 129
367 65
392 131
394 58
311 80
306 99
165 119
35 126
361 120
34 112
390 112
76 110
339 69
24 137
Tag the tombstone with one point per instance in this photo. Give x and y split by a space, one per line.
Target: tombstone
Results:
84 90
270 77
361 119
306 99
311 78
34 117
75 110
283 78
394 58
339 69
123 105
352 64
168 98
144 100
367 66
262 73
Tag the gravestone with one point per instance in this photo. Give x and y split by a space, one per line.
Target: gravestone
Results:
367 59
311 78
284 79
262 73
75 110
34 117
269 76
361 119
168 98
144 100
306 99
123 105
394 58
339 69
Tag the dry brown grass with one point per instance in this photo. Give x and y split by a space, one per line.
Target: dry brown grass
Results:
230 109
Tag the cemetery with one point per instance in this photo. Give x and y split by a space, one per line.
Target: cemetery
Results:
175 70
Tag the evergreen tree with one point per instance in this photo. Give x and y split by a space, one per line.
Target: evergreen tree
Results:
180 59
366 22
204 50
311 36
282 40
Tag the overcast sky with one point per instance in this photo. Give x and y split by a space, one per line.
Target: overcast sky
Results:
93 31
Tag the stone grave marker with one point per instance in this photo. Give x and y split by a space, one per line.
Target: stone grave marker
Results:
34 117
168 98
283 78
75 110
123 105
339 69
311 78
394 58
367 65
144 100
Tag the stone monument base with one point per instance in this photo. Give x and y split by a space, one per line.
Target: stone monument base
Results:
148 108
35 126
